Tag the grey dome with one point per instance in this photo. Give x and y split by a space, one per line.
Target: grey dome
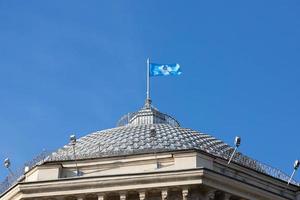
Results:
133 136
133 139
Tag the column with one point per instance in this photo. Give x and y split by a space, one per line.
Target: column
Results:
185 193
164 194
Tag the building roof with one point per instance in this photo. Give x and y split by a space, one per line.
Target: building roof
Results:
150 131
133 139
147 130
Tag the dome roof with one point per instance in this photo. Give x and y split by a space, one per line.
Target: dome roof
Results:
150 131
145 131
134 139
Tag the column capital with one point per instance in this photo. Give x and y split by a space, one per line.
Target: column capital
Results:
185 193
164 194
101 196
142 195
123 196
210 194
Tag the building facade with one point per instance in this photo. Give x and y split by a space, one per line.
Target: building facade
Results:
149 156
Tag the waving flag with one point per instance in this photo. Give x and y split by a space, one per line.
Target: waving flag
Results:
164 69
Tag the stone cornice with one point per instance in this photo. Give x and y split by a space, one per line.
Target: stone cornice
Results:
85 185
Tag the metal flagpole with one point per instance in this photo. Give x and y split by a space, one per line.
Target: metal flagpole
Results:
148 79
148 100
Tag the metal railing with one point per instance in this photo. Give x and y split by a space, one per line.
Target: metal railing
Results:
12 179
158 117
258 166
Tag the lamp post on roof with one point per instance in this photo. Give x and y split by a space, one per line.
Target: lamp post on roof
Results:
152 132
153 135
7 164
73 143
296 166
237 143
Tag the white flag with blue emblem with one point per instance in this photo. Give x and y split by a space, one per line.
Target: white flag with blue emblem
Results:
164 69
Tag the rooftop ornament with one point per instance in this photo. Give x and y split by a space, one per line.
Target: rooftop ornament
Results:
73 143
152 131
296 166
7 164
237 143
153 135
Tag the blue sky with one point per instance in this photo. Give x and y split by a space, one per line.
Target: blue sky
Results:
78 66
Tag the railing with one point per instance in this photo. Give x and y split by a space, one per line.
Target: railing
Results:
13 178
260 167
141 117
125 119
264 168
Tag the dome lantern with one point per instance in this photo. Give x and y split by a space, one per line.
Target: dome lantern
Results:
147 115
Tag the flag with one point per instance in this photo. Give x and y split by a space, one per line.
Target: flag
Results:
164 69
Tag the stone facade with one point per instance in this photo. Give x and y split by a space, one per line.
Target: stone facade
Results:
186 175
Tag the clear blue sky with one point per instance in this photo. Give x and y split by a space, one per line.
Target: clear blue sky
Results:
77 66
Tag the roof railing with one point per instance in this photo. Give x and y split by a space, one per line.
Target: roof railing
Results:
12 179
157 118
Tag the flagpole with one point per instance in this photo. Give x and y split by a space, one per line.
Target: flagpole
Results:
148 101
148 79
